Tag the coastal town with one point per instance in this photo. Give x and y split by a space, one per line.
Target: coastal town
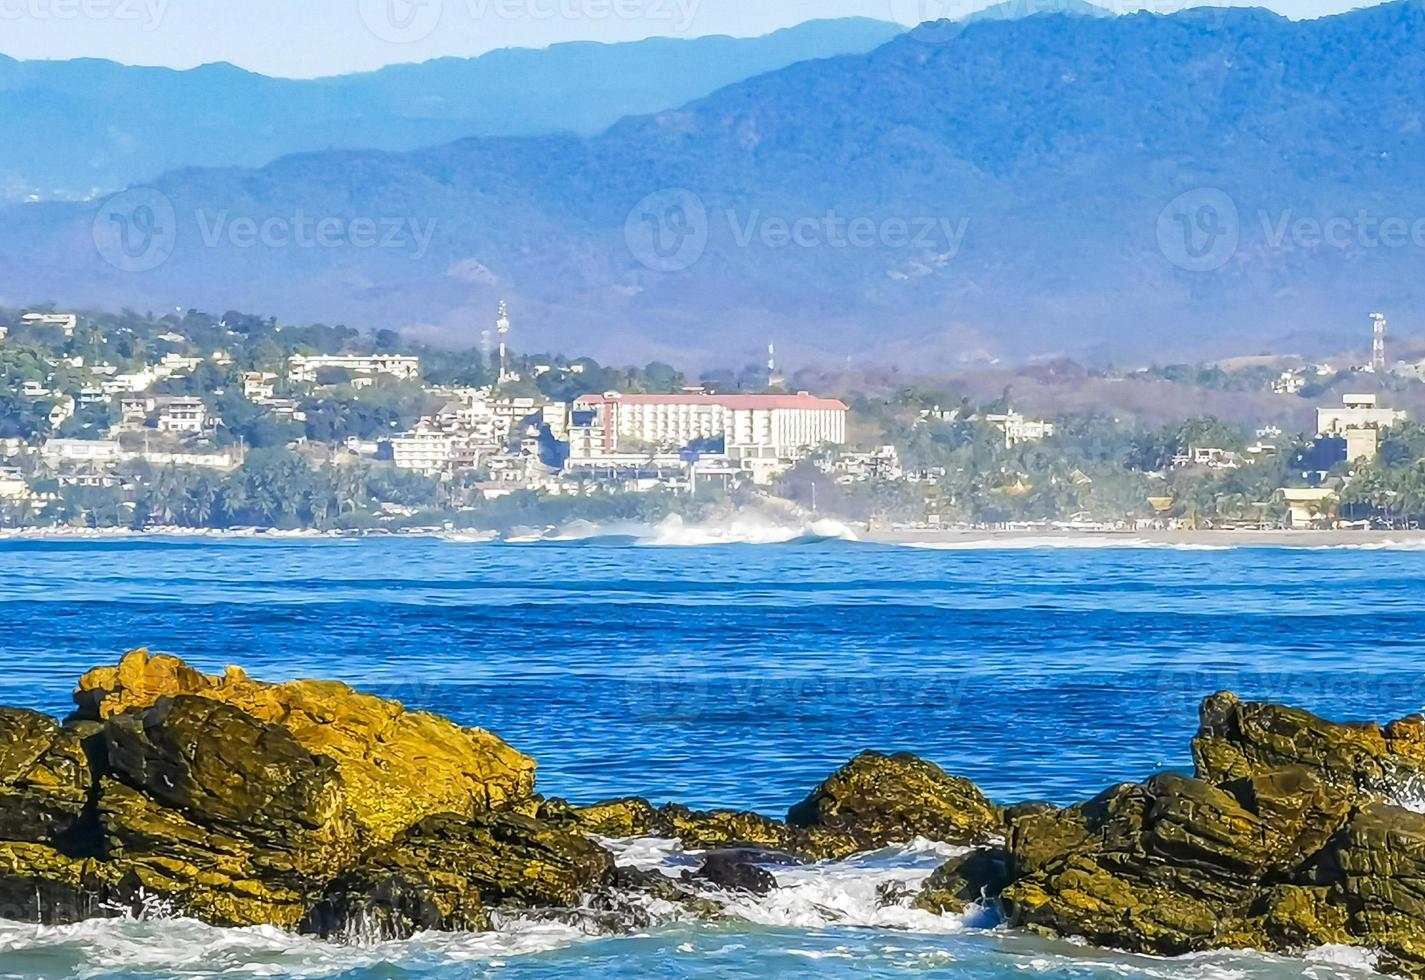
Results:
190 420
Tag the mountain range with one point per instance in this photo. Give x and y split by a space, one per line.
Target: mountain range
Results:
74 128
1133 187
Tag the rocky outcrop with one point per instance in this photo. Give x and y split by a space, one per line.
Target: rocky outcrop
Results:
447 871
300 805
398 766
220 813
877 800
1289 835
973 878
733 872
310 806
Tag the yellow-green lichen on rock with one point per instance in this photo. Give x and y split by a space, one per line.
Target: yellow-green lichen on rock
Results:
880 799
398 766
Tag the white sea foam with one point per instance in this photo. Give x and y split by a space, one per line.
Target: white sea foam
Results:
847 911
749 527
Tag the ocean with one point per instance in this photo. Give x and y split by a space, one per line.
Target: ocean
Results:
731 674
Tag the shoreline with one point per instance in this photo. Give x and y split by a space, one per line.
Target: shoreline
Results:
948 539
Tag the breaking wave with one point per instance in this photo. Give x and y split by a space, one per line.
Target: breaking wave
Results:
675 532
852 917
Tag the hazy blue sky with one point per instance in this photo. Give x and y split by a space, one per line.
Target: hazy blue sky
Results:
319 37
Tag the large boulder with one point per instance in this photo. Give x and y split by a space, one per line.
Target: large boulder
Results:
398 766
878 799
969 879
48 834
1288 837
45 781
219 814
447 871
1237 739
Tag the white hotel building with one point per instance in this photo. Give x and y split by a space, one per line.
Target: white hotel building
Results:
781 426
303 369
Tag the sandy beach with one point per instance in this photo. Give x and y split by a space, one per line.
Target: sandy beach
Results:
986 538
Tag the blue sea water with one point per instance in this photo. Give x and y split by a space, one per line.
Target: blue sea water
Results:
732 675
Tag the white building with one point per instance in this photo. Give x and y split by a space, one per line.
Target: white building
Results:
784 427
259 386
82 450
1017 428
62 412
13 485
130 383
303 369
182 415
172 364
1356 412
881 464
1359 421
425 449
64 321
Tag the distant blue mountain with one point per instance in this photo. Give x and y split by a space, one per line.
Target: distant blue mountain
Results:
71 128
1131 187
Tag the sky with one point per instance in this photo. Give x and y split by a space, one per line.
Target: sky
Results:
306 38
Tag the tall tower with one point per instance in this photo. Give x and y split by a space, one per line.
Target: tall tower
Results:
502 327
1378 343
773 378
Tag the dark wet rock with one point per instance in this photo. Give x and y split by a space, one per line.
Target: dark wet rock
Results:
970 878
381 903
629 881
45 781
225 815
449 872
727 871
1237 739
875 800
1287 838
